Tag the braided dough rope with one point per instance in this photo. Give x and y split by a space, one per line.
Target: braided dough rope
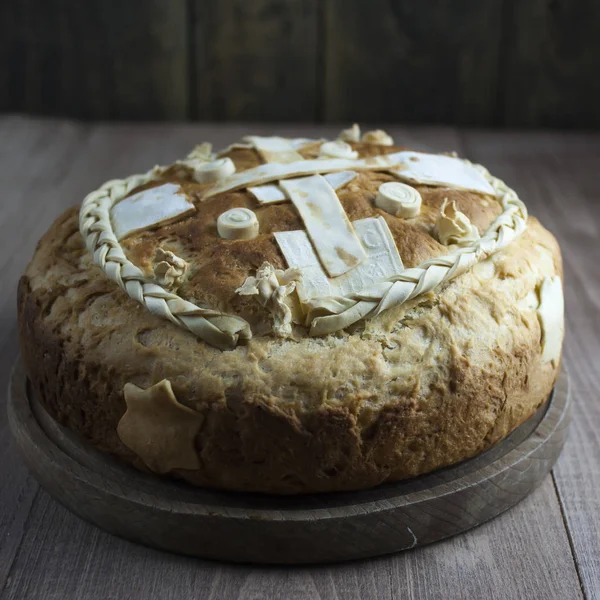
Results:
326 315
216 328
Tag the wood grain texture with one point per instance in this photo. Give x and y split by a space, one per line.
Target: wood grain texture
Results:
255 60
404 61
551 58
524 553
519 555
100 59
492 62
557 176
49 146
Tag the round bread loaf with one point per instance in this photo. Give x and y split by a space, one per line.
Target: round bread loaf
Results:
214 360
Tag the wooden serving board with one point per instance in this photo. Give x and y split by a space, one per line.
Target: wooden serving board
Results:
272 529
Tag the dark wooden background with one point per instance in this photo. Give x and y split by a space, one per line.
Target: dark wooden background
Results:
500 63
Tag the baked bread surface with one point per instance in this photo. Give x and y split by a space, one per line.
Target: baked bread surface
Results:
423 385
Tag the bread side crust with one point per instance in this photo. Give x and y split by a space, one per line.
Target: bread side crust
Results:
416 389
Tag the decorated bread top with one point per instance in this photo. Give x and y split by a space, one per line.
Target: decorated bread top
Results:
295 237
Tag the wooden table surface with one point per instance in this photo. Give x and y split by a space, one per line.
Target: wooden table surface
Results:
547 547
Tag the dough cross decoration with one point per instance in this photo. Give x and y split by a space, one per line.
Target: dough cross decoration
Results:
349 271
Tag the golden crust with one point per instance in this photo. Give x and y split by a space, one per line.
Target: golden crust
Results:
219 266
424 385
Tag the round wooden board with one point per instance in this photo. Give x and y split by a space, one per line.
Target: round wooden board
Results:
272 529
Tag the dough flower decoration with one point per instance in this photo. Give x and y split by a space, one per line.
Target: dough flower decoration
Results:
272 287
201 152
169 269
377 136
454 227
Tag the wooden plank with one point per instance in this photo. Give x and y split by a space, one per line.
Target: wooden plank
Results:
556 176
255 60
551 58
18 488
32 158
518 555
97 59
394 61
523 554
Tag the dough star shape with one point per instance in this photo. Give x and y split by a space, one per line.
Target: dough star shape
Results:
160 430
